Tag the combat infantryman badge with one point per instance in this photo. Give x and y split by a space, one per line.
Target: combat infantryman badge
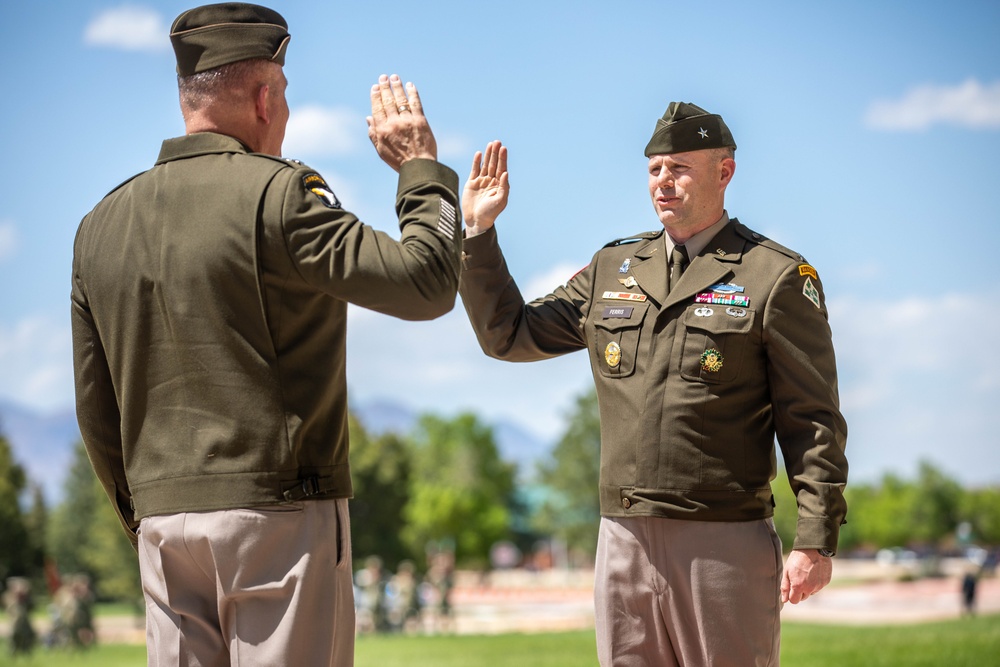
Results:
711 360
613 354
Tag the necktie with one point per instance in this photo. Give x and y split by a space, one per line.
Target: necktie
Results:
678 262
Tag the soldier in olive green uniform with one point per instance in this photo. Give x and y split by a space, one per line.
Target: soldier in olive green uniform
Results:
209 308
706 341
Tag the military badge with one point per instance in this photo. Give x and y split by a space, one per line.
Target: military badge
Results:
806 270
704 312
811 293
315 184
736 312
711 360
628 282
625 296
613 354
624 267
722 299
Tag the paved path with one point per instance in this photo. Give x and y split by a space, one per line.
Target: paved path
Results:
535 603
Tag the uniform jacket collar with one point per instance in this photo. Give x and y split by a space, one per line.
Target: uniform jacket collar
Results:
712 265
200 143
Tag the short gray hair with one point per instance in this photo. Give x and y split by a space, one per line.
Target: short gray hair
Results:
204 88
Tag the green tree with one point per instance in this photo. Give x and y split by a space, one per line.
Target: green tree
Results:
86 537
108 553
380 472
981 508
571 508
15 549
460 491
71 520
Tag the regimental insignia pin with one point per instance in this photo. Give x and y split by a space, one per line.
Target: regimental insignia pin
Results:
811 293
613 354
628 282
711 360
624 267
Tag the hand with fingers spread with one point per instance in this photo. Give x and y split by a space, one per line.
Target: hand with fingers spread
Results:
397 127
486 191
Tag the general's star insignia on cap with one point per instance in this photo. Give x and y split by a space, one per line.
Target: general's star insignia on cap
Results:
703 132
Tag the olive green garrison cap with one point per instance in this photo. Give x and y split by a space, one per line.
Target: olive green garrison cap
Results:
214 35
687 127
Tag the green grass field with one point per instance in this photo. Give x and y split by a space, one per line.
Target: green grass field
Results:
960 643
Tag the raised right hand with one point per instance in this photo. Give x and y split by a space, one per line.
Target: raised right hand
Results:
397 127
486 191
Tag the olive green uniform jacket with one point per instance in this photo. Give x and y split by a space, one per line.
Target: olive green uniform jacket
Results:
209 311
691 393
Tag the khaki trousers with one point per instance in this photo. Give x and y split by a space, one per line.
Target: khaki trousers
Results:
673 593
262 587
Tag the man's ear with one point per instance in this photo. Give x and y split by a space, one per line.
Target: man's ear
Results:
727 171
261 103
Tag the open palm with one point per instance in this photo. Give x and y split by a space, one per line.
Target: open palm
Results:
486 191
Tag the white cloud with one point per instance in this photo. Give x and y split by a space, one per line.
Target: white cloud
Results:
37 360
314 130
8 239
970 104
129 28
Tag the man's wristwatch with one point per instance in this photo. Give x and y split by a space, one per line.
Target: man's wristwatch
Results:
826 553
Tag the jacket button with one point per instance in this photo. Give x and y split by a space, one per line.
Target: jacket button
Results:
626 503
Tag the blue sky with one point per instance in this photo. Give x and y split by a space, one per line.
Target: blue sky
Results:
867 133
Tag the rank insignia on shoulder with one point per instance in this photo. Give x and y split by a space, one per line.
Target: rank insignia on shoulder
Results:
811 293
315 184
806 270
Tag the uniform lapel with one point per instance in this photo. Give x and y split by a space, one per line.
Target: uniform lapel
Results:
650 269
710 267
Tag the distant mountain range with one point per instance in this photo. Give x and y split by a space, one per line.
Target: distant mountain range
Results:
43 442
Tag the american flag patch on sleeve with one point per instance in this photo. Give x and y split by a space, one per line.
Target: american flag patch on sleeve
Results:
446 222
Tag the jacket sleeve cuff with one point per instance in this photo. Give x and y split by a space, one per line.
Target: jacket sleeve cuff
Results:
816 534
417 171
481 250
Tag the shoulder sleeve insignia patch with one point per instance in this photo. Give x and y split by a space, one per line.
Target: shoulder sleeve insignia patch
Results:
315 184
810 292
806 270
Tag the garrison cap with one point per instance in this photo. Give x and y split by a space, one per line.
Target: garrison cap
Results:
687 127
210 36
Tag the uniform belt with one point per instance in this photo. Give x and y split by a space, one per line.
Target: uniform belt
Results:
309 486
